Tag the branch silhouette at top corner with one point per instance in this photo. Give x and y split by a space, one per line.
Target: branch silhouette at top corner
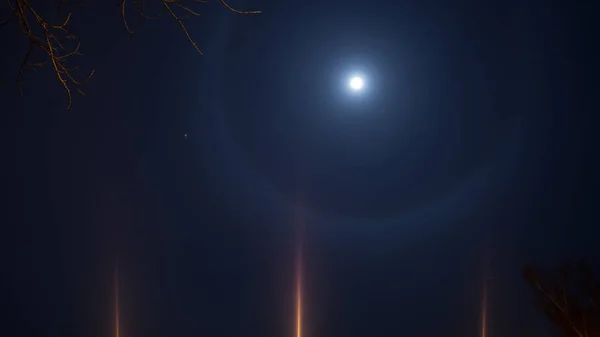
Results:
58 45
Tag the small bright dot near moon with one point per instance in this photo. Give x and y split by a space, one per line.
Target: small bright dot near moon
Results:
356 83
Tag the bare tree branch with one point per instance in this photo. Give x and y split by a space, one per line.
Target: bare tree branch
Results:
167 3
170 6
237 11
564 295
59 45
7 20
52 41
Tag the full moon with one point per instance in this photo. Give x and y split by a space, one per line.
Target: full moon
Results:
356 83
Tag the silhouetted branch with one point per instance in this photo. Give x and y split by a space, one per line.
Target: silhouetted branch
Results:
7 21
58 44
52 40
171 6
569 297
237 11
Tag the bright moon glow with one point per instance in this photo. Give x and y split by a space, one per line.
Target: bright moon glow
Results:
356 83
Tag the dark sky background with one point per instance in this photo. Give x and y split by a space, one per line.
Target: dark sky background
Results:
472 153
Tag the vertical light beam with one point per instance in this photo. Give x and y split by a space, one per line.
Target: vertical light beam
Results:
116 289
484 298
484 307
299 291
300 228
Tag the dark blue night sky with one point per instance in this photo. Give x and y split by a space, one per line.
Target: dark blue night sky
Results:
470 153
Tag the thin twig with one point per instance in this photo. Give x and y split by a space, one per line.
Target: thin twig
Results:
237 11
187 34
55 41
51 42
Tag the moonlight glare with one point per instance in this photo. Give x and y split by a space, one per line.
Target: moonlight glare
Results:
356 83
